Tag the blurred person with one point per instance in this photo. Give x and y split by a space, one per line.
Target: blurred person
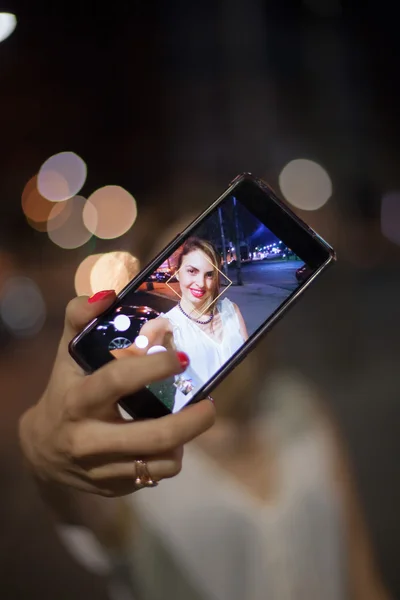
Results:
264 508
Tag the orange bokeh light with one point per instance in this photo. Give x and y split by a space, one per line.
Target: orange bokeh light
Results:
82 276
37 209
116 212
113 271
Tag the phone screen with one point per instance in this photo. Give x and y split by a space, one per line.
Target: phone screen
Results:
206 299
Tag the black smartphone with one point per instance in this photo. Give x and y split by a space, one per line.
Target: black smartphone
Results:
212 293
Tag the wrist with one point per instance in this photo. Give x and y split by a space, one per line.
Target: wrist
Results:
52 493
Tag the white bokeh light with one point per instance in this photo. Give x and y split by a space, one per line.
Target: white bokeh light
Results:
8 23
122 322
141 341
305 184
61 176
22 307
156 349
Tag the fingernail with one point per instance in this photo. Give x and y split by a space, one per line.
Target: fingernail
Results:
183 359
101 296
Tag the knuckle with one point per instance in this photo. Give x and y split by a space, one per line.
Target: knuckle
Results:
76 445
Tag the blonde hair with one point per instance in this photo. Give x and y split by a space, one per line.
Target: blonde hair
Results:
191 245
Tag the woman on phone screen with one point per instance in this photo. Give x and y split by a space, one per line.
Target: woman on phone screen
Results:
204 324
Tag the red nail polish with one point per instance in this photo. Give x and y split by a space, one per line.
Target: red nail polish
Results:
183 359
101 296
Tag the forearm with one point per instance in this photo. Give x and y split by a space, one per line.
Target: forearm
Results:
107 518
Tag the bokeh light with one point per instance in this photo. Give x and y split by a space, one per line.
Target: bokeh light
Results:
22 308
141 341
69 232
82 276
53 186
113 271
116 212
122 322
62 176
156 349
305 184
8 23
39 211
390 217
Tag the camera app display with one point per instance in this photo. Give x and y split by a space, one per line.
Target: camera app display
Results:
206 299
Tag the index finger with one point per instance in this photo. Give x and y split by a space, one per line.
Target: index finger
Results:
126 376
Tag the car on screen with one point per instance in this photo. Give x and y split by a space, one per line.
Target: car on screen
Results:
303 273
161 277
126 323
157 277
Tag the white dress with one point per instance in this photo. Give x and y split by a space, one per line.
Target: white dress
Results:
206 355
202 536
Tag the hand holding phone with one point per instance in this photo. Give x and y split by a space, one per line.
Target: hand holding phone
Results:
212 293
75 436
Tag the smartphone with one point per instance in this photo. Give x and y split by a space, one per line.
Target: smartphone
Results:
212 293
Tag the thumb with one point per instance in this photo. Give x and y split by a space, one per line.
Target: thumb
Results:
80 311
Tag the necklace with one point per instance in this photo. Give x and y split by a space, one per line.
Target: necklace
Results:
199 321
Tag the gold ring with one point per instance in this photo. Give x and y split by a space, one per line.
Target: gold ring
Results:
142 475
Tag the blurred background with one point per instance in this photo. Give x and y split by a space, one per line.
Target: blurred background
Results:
166 102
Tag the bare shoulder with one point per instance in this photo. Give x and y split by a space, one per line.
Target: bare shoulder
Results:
236 308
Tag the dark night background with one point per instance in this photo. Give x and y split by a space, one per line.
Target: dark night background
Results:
171 100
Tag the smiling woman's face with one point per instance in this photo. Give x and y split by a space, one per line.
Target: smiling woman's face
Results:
197 278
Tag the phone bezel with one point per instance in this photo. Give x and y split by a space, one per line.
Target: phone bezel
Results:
320 255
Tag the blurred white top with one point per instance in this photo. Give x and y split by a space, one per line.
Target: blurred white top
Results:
203 536
206 354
